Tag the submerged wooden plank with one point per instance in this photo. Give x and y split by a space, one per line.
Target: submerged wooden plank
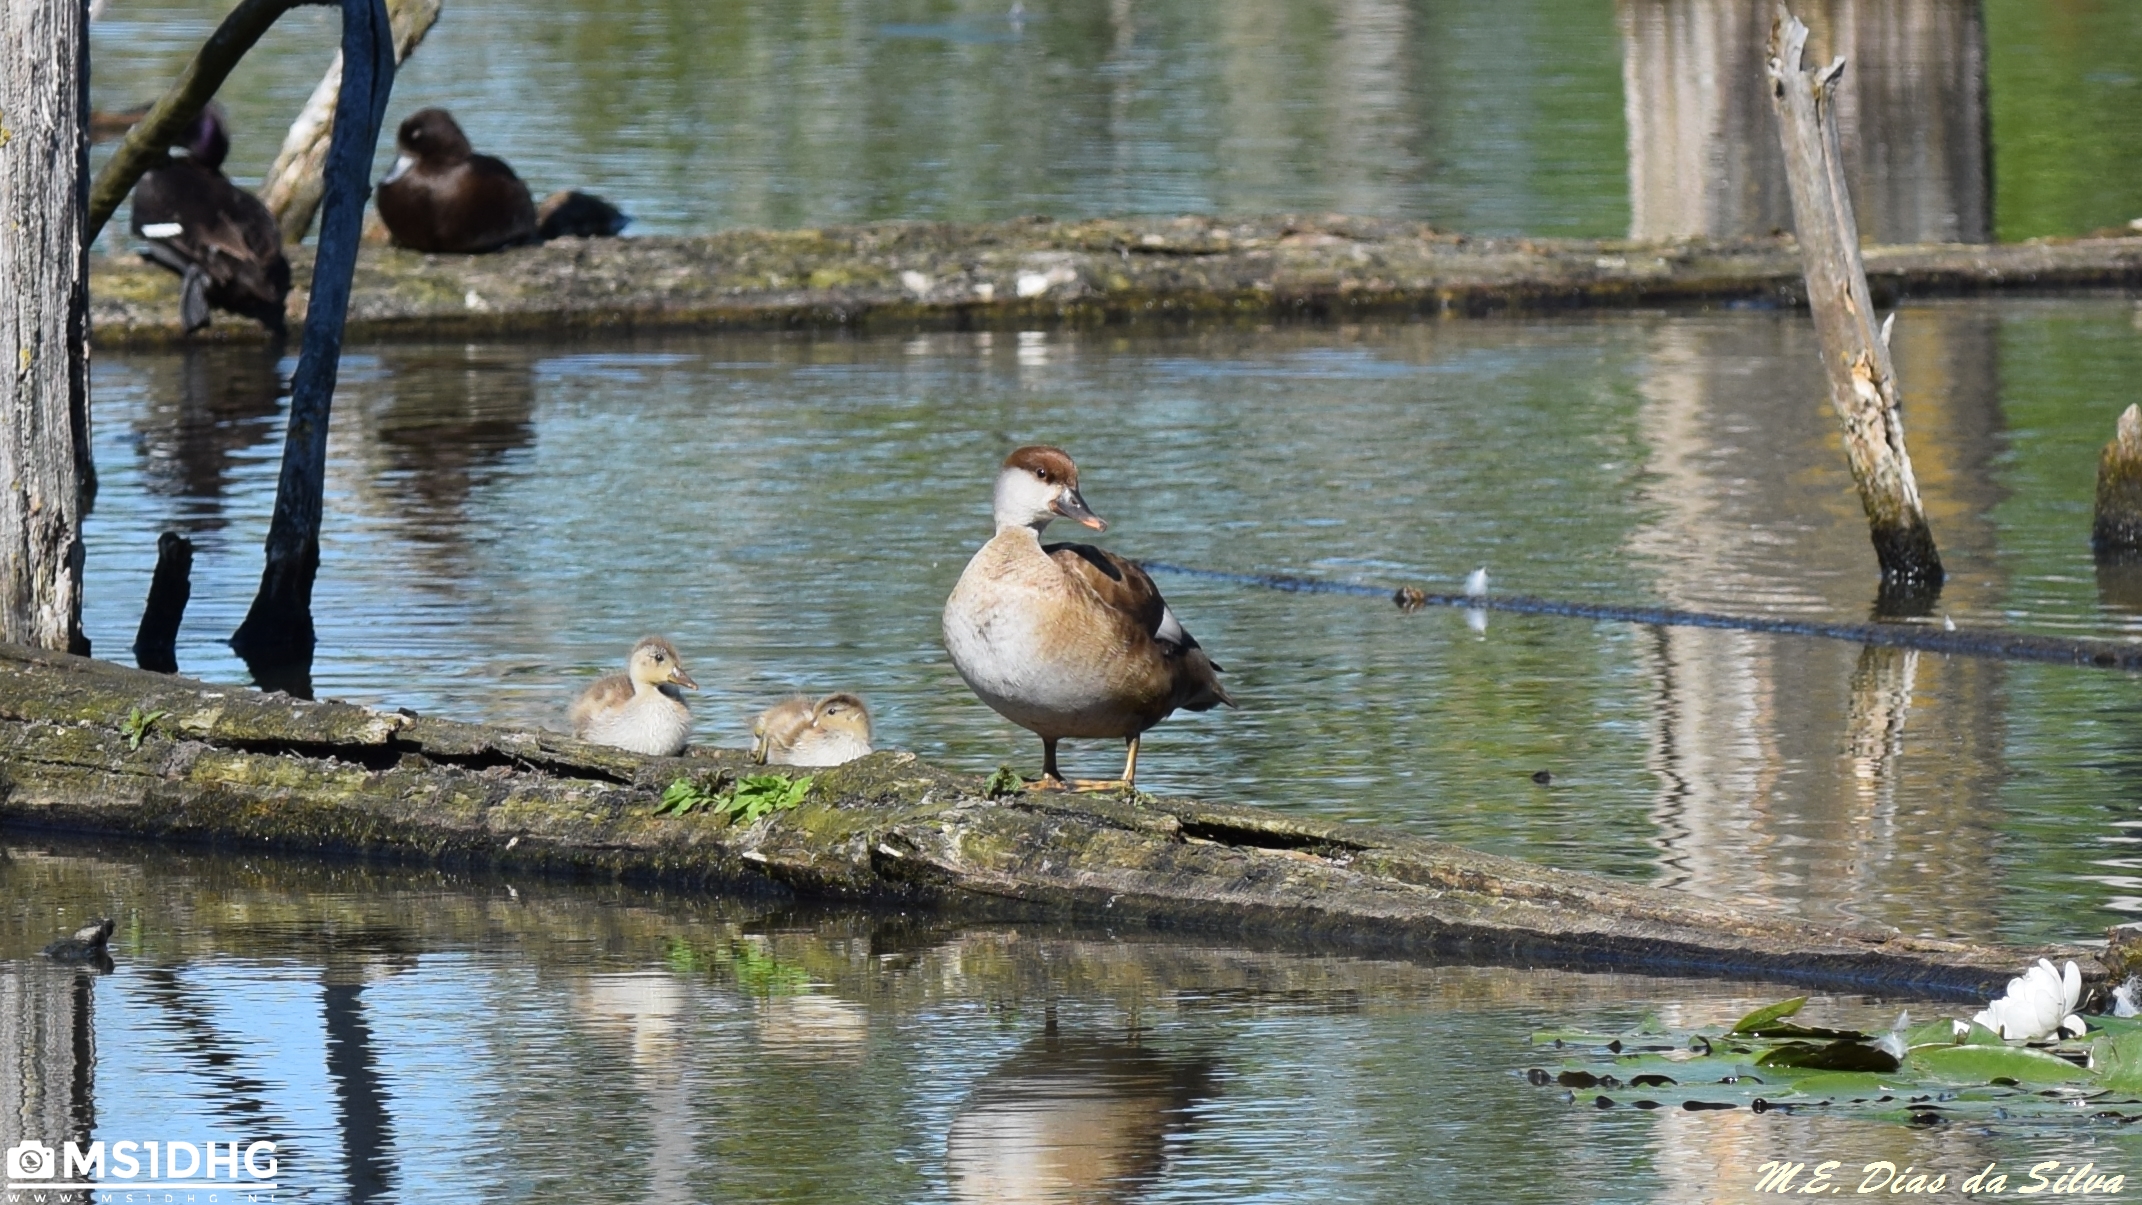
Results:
1031 272
226 765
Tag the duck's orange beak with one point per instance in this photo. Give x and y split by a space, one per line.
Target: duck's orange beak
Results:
1071 506
678 676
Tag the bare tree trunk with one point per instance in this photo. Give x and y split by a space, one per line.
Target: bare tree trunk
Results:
294 185
1855 353
45 477
276 639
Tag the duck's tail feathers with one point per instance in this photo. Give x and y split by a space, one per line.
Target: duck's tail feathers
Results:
1201 680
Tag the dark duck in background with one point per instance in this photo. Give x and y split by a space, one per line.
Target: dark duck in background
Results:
219 238
443 196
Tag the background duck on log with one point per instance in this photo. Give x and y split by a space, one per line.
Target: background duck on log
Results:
219 238
442 196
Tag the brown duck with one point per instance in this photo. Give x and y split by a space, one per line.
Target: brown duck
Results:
1069 640
443 196
219 238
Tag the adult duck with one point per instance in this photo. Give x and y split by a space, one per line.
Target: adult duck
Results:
443 196
640 709
219 238
798 732
1069 640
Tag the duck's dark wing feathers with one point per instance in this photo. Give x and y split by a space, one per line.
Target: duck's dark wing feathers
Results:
1129 590
225 233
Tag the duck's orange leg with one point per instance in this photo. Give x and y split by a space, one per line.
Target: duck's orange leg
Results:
1129 781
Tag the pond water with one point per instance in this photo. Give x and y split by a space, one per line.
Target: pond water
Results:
413 1036
1488 116
504 520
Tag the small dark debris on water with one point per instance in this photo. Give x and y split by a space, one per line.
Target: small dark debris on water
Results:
1603 1102
86 946
1410 598
1698 1106
1650 1081
1542 777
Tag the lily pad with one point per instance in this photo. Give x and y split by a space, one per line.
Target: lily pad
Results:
2117 1060
1833 1056
1768 1014
1987 1064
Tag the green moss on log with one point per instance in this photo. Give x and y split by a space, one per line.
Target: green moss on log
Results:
1035 272
232 766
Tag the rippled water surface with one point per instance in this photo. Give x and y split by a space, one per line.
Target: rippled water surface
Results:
408 1036
505 520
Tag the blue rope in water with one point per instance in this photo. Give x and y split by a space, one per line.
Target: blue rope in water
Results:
1965 642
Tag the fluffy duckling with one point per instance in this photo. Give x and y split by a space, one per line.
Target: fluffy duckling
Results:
443 196
1069 639
640 709
219 238
798 732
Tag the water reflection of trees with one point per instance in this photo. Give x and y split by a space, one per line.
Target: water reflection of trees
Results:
1912 117
1843 782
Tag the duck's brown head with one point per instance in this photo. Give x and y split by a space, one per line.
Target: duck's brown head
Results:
1038 484
655 663
432 136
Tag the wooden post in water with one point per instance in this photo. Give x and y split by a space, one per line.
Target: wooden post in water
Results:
156 640
2116 529
1855 352
276 639
45 475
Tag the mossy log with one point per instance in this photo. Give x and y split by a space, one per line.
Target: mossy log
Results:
95 747
1037 272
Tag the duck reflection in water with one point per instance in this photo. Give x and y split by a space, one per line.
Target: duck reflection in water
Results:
194 430
1073 1119
447 420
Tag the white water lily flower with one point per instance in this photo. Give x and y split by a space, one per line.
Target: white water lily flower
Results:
2040 1002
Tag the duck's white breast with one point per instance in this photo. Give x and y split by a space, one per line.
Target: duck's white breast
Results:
652 723
1004 628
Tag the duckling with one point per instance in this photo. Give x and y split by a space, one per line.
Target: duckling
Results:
1069 639
443 196
798 732
640 709
219 238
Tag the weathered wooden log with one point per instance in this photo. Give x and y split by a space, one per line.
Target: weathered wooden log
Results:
276 638
2116 525
296 181
910 275
46 482
156 640
1855 351
229 765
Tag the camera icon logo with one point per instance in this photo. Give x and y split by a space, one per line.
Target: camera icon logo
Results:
30 1160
